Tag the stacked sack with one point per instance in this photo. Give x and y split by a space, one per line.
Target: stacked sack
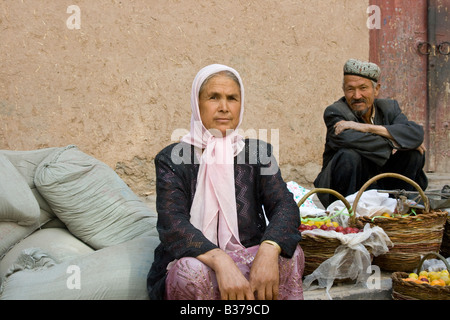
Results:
64 213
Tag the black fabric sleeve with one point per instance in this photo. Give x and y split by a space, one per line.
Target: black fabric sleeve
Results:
280 208
407 134
371 146
173 203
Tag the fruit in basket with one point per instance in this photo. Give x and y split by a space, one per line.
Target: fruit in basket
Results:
351 230
446 279
327 225
438 282
434 278
418 281
331 224
413 276
304 227
348 230
424 279
433 275
319 224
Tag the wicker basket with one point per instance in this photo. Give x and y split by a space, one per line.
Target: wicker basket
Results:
316 248
408 290
412 236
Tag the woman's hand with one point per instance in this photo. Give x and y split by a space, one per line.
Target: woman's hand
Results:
264 274
232 283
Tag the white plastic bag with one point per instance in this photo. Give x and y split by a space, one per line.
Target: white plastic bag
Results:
372 203
309 207
434 265
351 259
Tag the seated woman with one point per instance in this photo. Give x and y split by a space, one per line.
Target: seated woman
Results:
214 193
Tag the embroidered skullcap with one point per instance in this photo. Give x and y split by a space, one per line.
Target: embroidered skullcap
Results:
363 69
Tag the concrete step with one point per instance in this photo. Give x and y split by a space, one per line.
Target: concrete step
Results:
376 289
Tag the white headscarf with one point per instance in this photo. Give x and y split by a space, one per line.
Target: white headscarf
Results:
213 209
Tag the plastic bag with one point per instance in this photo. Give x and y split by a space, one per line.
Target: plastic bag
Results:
371 204
309 207
351 259
434 265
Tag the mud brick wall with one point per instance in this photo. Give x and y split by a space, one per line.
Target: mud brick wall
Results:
114 77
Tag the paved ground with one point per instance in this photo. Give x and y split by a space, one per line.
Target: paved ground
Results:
379 289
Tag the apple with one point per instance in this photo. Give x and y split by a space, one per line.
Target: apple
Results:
324 227
302 227
424 279
348 230
340 229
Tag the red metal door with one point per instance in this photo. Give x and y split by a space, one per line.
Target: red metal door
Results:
438 49
412 49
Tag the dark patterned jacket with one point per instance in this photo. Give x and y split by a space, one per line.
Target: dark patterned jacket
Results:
260 192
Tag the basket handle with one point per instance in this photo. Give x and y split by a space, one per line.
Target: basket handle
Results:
334 193
429 255
392 175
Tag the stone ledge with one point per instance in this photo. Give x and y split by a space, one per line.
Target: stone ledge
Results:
352 291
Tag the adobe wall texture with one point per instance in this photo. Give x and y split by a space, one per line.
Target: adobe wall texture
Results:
119 86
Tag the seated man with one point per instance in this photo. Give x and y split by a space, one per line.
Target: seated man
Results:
368 136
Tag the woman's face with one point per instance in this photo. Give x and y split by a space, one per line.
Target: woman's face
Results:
220 104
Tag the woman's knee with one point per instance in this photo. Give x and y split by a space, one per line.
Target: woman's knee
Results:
189 265
190 279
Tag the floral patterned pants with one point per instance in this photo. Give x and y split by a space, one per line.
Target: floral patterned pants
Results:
190 279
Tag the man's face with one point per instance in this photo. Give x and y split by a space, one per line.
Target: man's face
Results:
360 94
